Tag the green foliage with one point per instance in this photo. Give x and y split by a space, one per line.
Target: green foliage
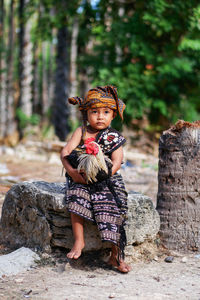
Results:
47 131
25 120
150 166
189 44
157 68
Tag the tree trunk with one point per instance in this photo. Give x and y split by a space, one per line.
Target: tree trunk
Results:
86 50
35 83
1 39
25 61
60 106
45 100
50 77
179 187
118 48
10 119
51 61
73 67
85 82
2 73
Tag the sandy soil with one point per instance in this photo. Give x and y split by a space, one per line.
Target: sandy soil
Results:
89 277
154 280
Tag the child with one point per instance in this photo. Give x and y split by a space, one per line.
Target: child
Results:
97 192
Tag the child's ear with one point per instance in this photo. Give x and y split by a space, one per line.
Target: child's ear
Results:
114 114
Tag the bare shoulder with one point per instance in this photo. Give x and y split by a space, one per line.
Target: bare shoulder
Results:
73 142
77 133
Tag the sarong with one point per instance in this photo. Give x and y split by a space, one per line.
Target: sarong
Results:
104 203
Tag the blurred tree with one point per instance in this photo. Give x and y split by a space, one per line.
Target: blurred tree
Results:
7 109
10 108
85 46
2 72
73 57
43 35
73 67
25 59
158 73
61 111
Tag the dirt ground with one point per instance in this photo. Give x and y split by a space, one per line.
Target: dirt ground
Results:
65 281
89 278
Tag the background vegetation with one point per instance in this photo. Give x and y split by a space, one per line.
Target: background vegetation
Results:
53 49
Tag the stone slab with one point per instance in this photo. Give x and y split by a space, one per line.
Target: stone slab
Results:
17 261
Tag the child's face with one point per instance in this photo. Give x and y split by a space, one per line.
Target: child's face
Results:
100 118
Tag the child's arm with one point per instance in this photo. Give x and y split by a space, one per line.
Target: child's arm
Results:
117 158
73 142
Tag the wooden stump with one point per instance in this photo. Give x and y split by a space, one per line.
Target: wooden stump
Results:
178 201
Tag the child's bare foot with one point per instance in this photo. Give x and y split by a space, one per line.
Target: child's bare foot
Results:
76 250
122 266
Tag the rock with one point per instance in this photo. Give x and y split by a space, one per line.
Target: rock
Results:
3 169
169 259
143 220
34 214
54 158
61 268
30 154
184 259
17 261
4 150
156 258
19 280
8 180
111 296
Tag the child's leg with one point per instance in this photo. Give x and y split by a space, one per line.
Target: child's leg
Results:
79 243
122 266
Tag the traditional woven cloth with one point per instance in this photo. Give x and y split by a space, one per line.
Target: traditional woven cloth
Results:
105 202
100 97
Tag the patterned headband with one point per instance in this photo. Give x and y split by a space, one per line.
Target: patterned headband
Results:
100 97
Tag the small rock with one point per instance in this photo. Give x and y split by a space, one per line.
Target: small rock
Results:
91 276
157 278
27 294
67 267
17 261
197 256
19 280
61 268
3 169
10 179
169 259
184 259
155 258
54 159
7 151
111 296
45 255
